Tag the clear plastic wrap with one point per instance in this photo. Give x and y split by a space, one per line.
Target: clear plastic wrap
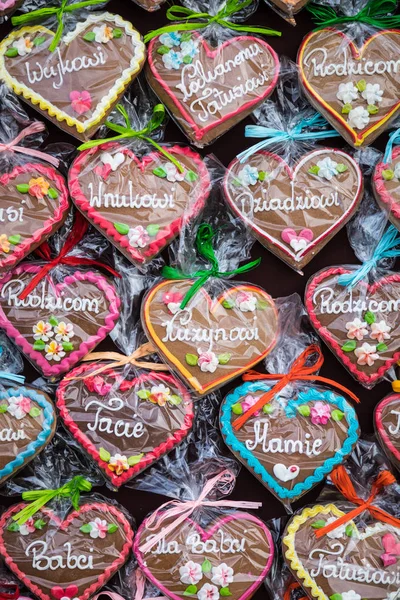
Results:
287 9
71 64
386 178
387 426
149 5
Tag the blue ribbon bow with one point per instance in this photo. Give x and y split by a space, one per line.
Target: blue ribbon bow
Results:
394 139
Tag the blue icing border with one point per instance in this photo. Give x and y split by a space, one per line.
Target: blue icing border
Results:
252 462
49 418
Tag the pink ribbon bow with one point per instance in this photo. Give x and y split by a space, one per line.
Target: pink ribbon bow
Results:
35 127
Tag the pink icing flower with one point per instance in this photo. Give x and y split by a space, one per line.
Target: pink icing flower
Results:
320 413
169 297
246 301
138 237
366 355
81 102
208 361
380 331
356 329
28 527
248 402
98 385
99 528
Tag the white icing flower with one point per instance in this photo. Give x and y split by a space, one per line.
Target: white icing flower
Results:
114 160
103 34
397 171
99 528
366 355
18 406
347 93
248 175
170 39
118 464
189 48
222 575
190 573
28 527
138 237
64 332
380 331
338 532
208 361
54 351
356 329
23 45
173 174
160 393
42 331
358 118
174 307
208 592
350 595
327 168
172 60
372 93
246 302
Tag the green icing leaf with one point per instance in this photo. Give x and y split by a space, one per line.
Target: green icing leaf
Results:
174 400
112 528
13 527
349 531
163 50
190 590
346 109
228 303
53 321
52 193
236 182
39 524
186 37
341 168
152 230
225 591
304 410
337 415
237 408
381 347
314 170
121 228
104 455
335 597
206 566
3 408
14 239
349 346
23 188
191 176
143 394
361 86
117 33
67 346
388 174
39 41
262 304
372 109
87 528
160 172
262 175
318 524
12 53
89 37
268 409
133 460
39 345
224 358
191 359
187 60
35 411
369 317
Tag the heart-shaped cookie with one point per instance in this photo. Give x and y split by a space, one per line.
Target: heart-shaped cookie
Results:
33 205
294 212
139 205
387 426
57 324
346 563
386 187
27 424
292 443
229 558
79 554
208 90
78 84
124 424
210 342
356 89
359 324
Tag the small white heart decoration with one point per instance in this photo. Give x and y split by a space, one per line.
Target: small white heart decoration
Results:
299 244
114 161
285 473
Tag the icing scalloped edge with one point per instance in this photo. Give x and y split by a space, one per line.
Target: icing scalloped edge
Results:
320 472
380 428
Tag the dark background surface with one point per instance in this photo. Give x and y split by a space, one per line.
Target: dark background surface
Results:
273 275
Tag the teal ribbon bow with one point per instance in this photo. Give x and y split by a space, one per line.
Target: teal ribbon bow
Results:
191 20
38 498
375 13
13 377
127 132
297 133
204 246
394 139
388 247
43 13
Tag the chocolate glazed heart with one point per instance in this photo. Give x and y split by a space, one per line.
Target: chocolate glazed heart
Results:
79 554
386 187
347 561
359 324
294 212
33 205
124 424
139 205
290 447
387 426
229 558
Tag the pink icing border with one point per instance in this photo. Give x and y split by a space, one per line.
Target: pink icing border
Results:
165 235
66 363
109 571
379 183
291 171
39 236
150 457
379 426
327 336
205 535
200 131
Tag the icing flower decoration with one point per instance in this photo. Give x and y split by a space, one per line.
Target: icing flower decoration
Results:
327 168
39 187
356 329
23 45
222 575
99 528
170 39
246 302
380 331
173 301
189 48
4 243
208 361
103 34
358 118
350 595
138 237
98 385
54 351
42 331
347 92
247 403
173 174
28 527
208 592
372 93
118 464
64 332
18 406
248 175
190 573
81 102
114 161
320 413
173 60
338 532
160 394
366 355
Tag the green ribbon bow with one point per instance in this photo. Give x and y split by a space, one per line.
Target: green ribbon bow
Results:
42 13
127 132
204 239
374 13
180 13
39 498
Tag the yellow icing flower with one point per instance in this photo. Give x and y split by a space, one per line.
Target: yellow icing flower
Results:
39 187
4 243
118 464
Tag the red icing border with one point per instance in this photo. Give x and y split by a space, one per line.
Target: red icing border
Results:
68 362
150 457
165 235
379 183
327 336
102 507
40 235
379 426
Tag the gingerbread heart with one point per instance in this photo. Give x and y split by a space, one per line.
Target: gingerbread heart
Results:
124 424
387 426
293 442
27 424
356 89
208 90
386 187
359 324
139 205
57 324
78 84
229 558
348 562
70 558
294 212
210 342
33 205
